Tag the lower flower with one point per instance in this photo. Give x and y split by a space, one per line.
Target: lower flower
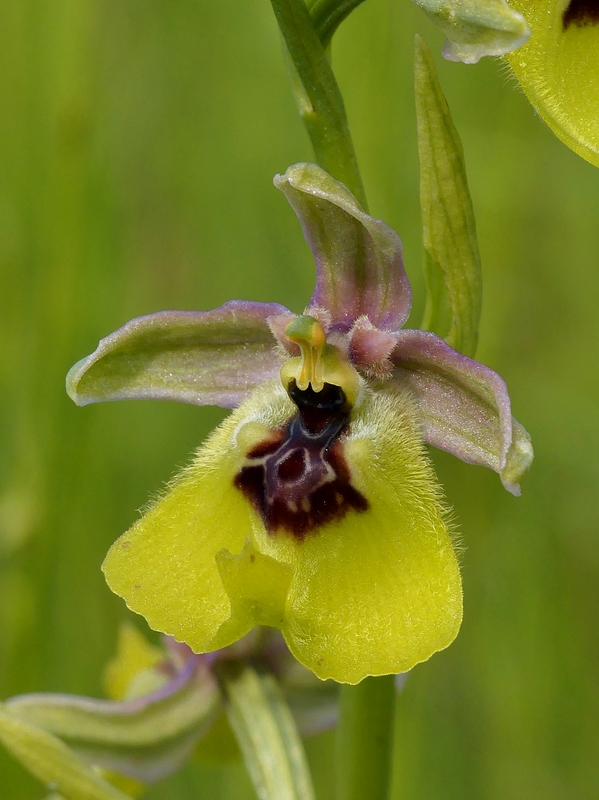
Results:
167 705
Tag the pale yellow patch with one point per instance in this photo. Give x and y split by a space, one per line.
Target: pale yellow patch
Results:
135 657
257 586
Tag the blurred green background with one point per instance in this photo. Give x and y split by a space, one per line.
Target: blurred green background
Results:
137 147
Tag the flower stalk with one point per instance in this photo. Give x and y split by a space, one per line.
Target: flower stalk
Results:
365 739
367 710
318 96
327 15
266 733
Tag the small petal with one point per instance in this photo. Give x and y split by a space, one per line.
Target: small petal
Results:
359 263
278 325
476 28
281 322
201 357
370 348
559 70
464 406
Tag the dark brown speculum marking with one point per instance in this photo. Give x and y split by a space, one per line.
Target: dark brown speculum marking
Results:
581 12
298 480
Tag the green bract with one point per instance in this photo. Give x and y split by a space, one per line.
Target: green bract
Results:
313 508
451 257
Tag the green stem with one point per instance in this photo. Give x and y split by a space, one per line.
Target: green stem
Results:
266 733
317 93
327 16
365 739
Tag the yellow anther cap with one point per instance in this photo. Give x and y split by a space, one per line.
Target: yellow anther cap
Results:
319 362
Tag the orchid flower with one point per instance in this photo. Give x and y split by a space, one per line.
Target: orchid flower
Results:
313 508
166 705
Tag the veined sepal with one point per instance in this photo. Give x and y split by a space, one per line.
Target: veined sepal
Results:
359 261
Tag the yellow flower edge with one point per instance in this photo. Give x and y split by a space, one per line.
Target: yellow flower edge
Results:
373 593
132 665
558 69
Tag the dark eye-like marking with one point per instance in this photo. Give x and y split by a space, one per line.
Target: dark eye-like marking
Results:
581 12
298 480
